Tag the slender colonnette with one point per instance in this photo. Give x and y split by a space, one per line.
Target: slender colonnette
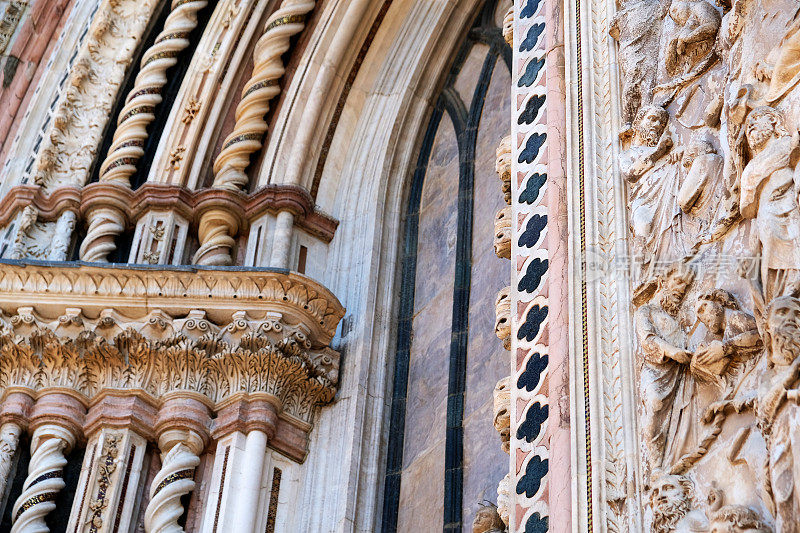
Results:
217 228
44 481
127 148
175 479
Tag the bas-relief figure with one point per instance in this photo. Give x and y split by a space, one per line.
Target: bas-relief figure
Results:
737 519
637 28
709 150
769 196
652 173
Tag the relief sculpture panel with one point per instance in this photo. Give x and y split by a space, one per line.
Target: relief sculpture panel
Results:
709 146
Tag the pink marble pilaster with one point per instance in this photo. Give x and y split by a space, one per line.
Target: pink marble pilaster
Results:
558 431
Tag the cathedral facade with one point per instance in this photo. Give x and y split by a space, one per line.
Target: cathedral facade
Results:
311 266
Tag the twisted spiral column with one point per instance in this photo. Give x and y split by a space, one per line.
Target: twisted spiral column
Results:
104 225
175 479
127 147
9 440
262 87
216 242
245 139
44 481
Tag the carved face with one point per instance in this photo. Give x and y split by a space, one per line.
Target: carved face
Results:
670 501
783 322
673 290
487 520
502 233
712 314
679 12
502 323
650 125
667 489
762 125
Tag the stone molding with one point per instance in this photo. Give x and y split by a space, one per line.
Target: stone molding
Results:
171 334
187 203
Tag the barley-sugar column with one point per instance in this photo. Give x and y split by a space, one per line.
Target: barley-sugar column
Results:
56 422
182 429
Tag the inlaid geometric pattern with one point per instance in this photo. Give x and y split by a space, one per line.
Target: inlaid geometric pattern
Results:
529 403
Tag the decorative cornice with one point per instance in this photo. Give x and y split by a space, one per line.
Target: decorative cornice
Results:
50 206
158 333
189 204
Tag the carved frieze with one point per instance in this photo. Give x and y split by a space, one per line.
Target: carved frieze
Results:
708 152
73 337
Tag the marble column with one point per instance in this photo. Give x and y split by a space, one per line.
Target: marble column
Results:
118 430
237 498
282 243
182 429
56 422
16 407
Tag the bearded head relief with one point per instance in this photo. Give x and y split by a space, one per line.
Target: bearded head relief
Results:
651 122
672 502
737 519
782 336
672 289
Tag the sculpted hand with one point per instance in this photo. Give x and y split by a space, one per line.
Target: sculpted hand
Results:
666 141
763 72
711 353
675 155
681 356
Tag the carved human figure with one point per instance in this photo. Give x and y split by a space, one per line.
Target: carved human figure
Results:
488 521
696 25
637 28
778 409
737 519
733 335
785 74
703 196
653 182
769 195
663 390
671 501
